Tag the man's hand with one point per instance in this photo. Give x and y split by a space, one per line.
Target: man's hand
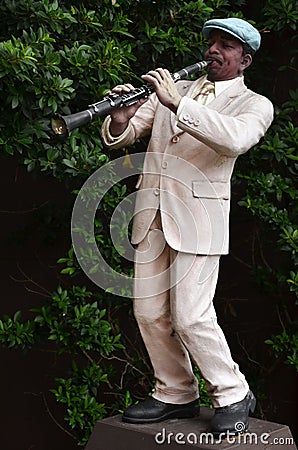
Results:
121 116
164 87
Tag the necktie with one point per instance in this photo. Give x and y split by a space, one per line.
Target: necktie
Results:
206 93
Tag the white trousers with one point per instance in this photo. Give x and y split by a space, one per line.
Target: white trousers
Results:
174 309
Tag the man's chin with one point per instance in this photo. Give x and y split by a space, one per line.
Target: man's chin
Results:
212 74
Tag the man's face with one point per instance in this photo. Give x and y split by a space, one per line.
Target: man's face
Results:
225 52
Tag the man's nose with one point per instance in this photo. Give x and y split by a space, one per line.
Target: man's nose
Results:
213 48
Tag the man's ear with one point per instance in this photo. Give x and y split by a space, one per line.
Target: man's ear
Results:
246 61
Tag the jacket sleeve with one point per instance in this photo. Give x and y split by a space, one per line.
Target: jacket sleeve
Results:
140 125
227 134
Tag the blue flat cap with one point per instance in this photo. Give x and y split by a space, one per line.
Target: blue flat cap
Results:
238 28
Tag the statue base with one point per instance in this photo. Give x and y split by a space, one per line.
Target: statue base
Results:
113 434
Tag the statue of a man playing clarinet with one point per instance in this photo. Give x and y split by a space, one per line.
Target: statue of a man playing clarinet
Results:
180 230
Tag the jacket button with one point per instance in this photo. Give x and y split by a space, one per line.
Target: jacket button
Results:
175 139
156 192
186 117
164 165
197 123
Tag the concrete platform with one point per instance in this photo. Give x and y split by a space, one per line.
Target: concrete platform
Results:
113 434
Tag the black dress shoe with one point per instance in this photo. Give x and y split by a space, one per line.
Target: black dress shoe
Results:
233 419
152 410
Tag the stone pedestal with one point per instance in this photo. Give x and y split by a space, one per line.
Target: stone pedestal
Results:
113 434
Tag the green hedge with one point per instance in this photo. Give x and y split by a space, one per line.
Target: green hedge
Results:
59 57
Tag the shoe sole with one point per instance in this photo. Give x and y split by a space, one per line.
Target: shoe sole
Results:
172 415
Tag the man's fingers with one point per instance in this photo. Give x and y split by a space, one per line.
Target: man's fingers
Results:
157 76
167 73
122 88
154 76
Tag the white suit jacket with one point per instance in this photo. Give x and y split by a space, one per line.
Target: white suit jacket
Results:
189 163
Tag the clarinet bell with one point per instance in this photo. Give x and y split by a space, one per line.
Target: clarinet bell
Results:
63 125
59 126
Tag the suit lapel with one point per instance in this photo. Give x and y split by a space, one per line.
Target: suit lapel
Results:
218 104
224 99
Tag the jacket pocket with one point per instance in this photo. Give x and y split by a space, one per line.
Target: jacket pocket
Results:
211 189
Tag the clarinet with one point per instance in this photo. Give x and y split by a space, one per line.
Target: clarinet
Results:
62 125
